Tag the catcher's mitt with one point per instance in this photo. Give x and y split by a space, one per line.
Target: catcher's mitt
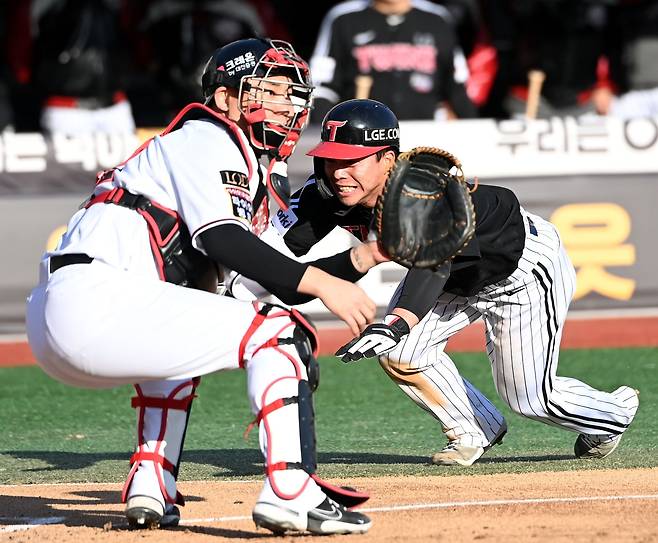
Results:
425 215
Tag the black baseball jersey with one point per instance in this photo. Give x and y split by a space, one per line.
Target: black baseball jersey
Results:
414 59
492 254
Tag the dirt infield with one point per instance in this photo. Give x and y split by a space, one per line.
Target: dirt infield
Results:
582 506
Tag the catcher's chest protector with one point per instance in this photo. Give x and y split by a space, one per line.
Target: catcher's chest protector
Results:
177 261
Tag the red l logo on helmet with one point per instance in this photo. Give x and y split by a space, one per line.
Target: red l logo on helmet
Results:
332 126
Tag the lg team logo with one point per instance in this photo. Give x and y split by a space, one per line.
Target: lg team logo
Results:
381 134
332 126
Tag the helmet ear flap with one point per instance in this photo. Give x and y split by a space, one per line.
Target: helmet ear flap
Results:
211 81
321 182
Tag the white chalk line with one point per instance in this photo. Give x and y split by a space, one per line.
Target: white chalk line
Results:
451 505
120 484
28 523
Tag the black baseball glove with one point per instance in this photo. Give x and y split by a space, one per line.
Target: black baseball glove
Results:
425 215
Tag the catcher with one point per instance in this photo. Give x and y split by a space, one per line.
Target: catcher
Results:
509 268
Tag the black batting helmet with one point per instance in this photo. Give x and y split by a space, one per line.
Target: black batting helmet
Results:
356 129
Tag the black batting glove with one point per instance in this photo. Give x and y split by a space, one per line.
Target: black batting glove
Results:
376 339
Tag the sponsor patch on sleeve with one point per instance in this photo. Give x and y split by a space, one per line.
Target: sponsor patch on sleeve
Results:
235 179
283 220
237 185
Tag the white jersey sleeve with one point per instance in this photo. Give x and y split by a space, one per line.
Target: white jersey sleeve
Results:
200 172
210 177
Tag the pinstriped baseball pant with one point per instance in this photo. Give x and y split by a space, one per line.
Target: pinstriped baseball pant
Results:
523 316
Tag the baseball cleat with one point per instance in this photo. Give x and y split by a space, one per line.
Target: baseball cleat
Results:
329 517
598 446
144 512
456 454
171 517
147 513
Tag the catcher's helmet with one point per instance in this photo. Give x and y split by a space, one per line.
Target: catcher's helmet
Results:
228 64
356 129
246 65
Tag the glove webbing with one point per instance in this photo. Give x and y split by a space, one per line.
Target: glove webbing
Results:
408 156
452 159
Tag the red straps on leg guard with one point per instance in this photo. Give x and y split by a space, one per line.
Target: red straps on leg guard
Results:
266 410
142 454
270 311
263 313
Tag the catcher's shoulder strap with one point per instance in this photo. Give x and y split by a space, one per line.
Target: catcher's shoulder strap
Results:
176 260
199 111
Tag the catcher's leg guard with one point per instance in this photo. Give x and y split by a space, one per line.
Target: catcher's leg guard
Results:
281 395
163 409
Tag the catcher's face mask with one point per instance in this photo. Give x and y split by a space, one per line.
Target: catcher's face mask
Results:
275 108
276 99
270 99
273 86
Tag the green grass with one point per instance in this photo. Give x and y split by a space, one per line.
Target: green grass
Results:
366 427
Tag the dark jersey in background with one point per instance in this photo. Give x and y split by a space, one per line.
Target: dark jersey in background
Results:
414 60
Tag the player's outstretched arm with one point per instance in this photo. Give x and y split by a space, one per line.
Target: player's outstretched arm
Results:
344 299
367 255
239 250
350 265
419 293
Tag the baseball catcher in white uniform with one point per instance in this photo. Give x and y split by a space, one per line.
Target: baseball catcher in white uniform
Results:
129 294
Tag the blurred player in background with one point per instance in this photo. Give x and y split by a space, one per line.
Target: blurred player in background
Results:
73 56
404 53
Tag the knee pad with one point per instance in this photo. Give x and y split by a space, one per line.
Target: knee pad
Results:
304 337
162 421
303 341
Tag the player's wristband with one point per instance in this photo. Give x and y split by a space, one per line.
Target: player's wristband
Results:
396 323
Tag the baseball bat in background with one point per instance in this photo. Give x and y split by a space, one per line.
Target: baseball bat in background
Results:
535 82
363 84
